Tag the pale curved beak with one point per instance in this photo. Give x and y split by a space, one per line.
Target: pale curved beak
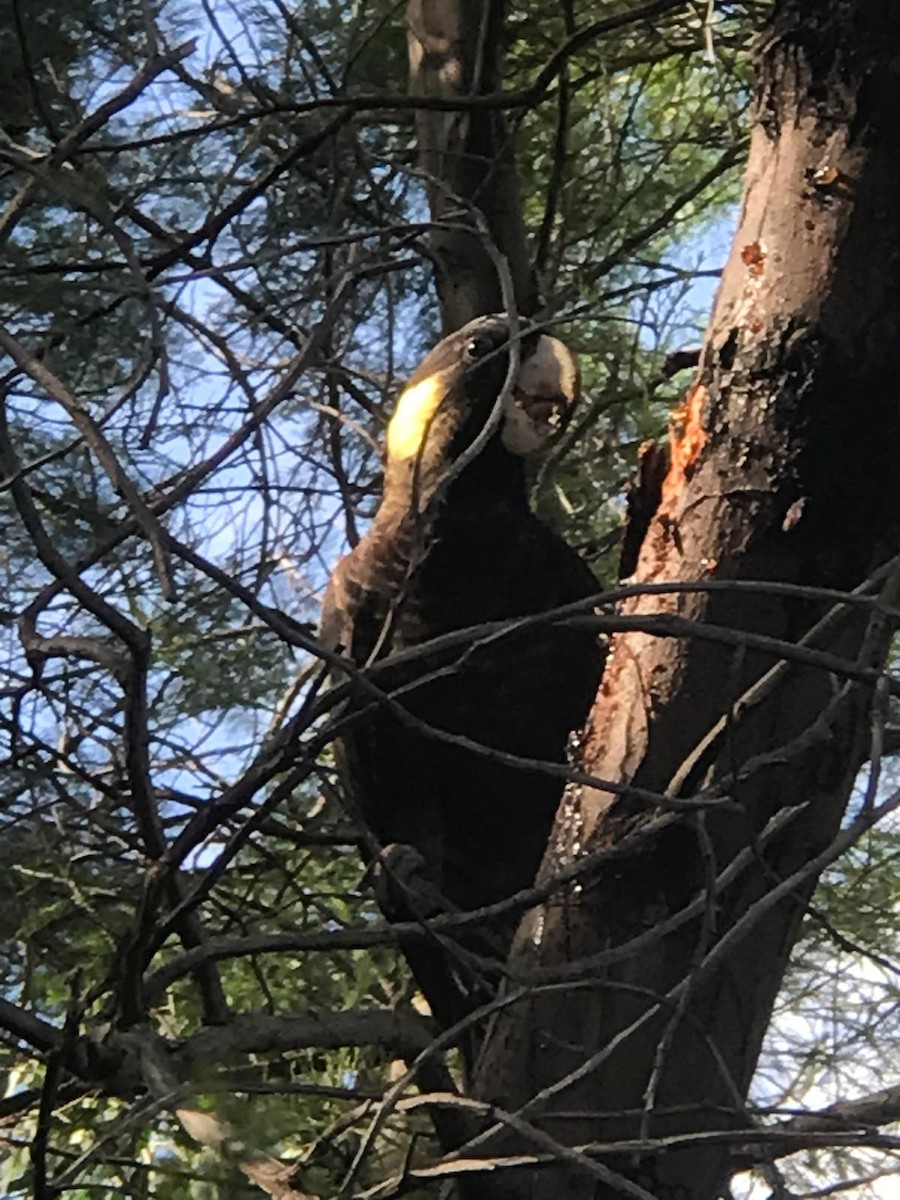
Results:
547 388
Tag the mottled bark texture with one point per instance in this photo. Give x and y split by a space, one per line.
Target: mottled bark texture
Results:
786 468
467 156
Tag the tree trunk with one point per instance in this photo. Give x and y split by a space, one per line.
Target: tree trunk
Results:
456 52
785 470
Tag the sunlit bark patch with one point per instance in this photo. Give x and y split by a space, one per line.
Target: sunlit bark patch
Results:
687 437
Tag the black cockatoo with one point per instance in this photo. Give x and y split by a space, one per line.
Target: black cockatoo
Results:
454 544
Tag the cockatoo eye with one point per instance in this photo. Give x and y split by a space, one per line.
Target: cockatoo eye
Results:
478 347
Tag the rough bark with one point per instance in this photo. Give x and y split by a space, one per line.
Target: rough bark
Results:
785 469
456 50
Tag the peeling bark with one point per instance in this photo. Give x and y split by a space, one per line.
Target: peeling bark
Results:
643 501
786 470
456 50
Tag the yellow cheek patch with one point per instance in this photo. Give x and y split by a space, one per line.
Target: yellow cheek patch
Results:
415 409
